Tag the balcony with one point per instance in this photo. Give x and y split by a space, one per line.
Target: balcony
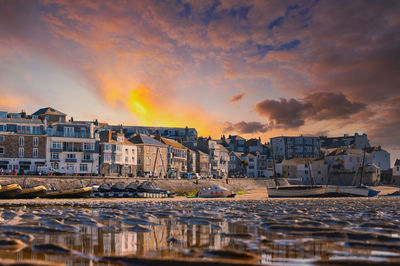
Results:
70 160
75 135
56 150
87 160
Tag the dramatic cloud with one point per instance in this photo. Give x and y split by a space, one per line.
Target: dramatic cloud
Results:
317 106
245 127
326 105
174 63
237 97
284 113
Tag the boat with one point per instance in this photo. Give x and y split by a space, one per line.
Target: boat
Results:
215 192
359 190
10 191
350 191
70 193
31 193
296 191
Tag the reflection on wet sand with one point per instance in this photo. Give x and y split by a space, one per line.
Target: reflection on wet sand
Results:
247 232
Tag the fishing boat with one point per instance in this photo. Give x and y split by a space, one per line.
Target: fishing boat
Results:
350 191
359 190
31 193
10 191
70 193
301 191
215 192
296 191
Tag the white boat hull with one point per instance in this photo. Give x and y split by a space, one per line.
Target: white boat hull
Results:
296 192
350 191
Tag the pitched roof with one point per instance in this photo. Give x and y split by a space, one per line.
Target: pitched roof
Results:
48 111
146 140
173 143
397 163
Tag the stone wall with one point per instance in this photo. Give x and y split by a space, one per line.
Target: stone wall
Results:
173 185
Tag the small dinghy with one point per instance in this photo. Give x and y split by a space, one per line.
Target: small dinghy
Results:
70 193
10 191
149 187
31 193
118 187
105 187
215 192
132 187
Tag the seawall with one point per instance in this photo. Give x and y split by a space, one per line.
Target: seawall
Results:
173 185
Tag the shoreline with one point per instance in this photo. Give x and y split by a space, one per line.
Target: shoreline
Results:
252 195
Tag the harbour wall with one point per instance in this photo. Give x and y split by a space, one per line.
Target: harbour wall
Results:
173 185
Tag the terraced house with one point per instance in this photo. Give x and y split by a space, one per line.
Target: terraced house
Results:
22 143
151 156
177 159
118 154
72 148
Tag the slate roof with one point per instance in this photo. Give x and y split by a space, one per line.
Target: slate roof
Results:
146 140
48 111
173 143
21 120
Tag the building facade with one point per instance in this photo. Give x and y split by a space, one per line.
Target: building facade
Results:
22 144
295 147
72 148
177 157
152 156
118 154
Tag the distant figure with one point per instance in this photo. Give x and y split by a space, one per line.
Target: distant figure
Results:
40 173
1 171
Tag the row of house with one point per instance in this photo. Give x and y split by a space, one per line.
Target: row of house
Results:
30 143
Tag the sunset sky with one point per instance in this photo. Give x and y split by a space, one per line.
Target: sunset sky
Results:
254 68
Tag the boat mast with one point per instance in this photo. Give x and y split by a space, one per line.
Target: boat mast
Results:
362 167
273 165
309 172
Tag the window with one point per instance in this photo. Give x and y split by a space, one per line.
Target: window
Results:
2 128
148 149
148 159
87 156
56 145
1 150
70 167
35 152
1 138
71 156
126 159
55 156
398 168
68 131
133 151
35 141
107 147
139 149
83 167
60 119
351 159
21 141
119 148
21 152
107 157
88 146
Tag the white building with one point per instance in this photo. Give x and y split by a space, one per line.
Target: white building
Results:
219 159
396 168
348 159
118 154
380 157
72 148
